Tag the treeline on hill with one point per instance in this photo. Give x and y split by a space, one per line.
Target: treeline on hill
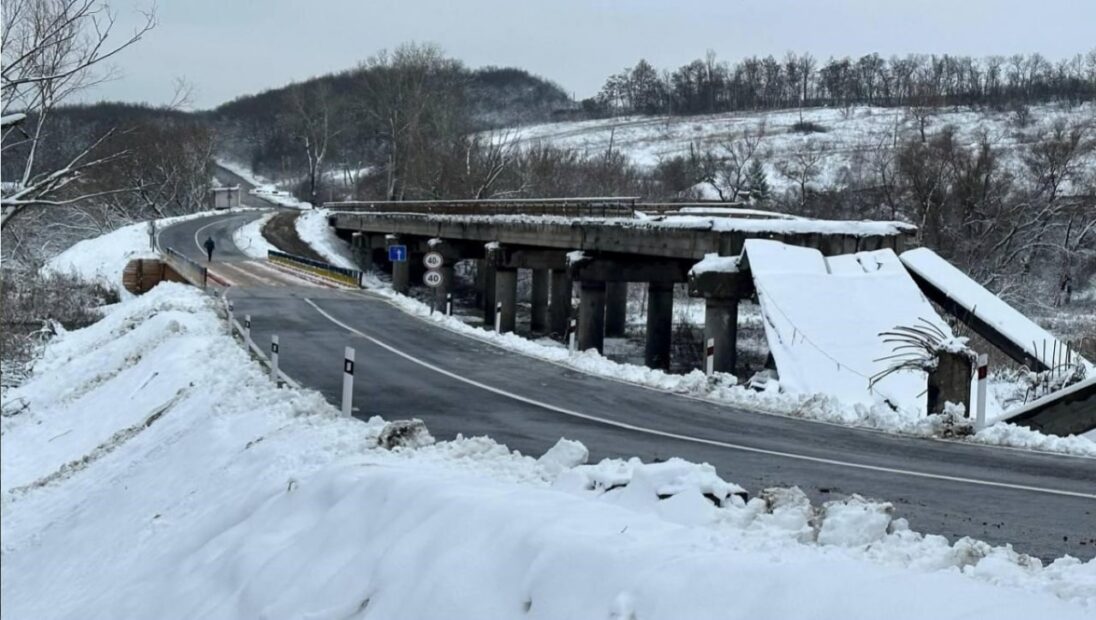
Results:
153 162
707 86
394 110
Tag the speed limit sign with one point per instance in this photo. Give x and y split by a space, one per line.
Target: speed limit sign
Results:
433 279
433 260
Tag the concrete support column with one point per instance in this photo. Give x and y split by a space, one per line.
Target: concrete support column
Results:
401 271
660 325
616 308
446 286
950 382
506 293
488 293
363 251
721 325
477 281
538 322
591 315
559 307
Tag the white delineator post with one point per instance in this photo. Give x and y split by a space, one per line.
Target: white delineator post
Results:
498 317
348 381
983 373
247 327
709 357
572 328
274 358
448 304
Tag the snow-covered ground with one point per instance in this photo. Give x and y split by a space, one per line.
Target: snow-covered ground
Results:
647 140
155 472
250 240
312 228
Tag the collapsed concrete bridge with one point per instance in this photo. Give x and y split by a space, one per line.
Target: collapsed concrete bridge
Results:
602 245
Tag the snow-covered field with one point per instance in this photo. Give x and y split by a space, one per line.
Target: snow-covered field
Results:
647 140
155 472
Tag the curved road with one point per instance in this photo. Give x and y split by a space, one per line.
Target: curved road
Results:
1043 504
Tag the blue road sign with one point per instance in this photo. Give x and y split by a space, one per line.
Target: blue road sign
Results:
397 253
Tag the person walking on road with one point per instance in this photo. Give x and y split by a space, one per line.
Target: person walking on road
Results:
209 245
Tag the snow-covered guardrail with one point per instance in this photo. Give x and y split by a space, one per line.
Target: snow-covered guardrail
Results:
319 269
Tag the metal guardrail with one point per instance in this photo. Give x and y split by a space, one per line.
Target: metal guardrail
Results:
349 277
612 206
187 267
604 206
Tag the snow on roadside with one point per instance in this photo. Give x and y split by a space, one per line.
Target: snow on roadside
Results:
250 240
724 389
312 228
212 493
102 259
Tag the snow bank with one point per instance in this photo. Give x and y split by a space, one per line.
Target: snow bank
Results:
312 228
250 240
175 481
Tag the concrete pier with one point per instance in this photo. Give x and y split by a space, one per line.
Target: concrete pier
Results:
538 321
721 325
559 306
660 324
506 296
591 315
616 308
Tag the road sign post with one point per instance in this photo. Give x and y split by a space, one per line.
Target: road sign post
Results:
274 358
348 381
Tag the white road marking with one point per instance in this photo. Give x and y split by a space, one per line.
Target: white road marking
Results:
700 440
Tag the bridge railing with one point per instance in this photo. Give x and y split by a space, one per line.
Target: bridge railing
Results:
317 268
187 267
614 206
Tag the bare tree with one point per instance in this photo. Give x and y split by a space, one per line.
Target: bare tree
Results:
51 50
731 176
311 124
803 166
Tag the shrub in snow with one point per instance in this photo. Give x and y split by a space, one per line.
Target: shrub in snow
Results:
404 434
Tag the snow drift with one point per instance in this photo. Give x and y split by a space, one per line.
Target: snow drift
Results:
155 472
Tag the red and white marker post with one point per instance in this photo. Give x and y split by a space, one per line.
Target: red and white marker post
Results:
274 358
572 328
709 357
983 373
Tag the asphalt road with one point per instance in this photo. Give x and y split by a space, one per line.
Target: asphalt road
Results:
1043 504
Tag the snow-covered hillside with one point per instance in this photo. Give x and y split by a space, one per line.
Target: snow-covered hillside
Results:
153 471
647 140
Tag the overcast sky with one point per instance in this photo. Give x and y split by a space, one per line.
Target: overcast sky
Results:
227 48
